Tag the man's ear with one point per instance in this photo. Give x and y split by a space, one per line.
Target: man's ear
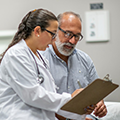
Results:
37 31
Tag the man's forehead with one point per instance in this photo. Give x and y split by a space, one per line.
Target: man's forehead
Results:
70 20
68 17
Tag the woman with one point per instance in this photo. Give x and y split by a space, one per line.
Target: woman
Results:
27 89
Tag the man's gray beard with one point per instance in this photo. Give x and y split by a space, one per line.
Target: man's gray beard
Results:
62 49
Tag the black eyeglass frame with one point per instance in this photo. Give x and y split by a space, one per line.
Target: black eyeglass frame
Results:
53 34
65 32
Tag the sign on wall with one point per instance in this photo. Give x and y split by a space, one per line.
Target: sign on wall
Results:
97 26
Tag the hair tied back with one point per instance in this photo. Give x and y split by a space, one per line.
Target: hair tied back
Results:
34 10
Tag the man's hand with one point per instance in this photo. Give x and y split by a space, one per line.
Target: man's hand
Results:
100 110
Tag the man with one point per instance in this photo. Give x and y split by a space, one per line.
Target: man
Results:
71 68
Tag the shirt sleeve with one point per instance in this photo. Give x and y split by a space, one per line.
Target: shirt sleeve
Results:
89 65
71 115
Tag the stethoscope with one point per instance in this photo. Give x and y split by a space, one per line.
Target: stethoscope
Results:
40 77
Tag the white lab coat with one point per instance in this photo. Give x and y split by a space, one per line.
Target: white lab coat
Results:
21 96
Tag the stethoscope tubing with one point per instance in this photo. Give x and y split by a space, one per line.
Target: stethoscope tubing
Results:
40 78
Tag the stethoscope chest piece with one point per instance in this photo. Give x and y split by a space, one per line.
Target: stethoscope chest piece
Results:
40 79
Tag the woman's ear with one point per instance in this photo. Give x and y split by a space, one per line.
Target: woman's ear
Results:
37 31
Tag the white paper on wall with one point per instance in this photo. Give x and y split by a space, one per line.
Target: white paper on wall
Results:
97 26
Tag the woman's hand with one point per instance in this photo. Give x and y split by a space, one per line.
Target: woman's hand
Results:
89 109
76 92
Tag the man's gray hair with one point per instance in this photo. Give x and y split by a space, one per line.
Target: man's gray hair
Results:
60 16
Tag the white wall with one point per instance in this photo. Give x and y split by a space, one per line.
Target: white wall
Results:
105 55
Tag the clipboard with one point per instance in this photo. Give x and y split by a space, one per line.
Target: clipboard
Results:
92 94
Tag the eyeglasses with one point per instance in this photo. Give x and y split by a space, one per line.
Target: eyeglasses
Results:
69 35
53 34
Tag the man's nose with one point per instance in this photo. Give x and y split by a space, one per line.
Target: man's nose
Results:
72 40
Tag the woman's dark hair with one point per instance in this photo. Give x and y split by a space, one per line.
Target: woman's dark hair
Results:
39 17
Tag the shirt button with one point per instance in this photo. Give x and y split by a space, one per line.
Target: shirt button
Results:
68 87
79 71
